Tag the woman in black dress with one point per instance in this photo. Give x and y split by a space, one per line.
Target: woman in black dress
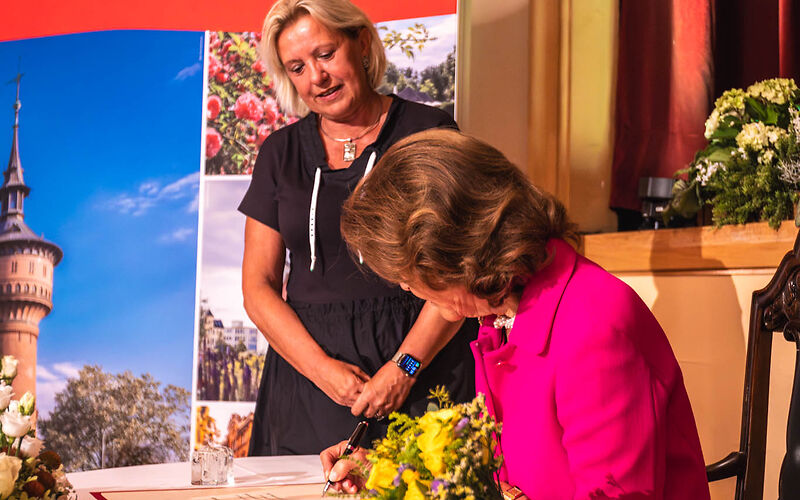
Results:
343 343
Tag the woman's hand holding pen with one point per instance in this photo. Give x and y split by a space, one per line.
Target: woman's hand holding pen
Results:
340 381
338 471
384 393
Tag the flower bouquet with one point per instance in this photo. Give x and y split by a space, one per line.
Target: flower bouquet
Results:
750 169
448 453
26 471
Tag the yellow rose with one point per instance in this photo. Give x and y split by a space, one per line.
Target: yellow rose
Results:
411 478
436 435
382 474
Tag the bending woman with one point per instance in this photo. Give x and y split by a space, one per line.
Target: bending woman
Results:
572 362
332 341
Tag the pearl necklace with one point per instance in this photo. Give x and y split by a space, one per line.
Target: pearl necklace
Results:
504 321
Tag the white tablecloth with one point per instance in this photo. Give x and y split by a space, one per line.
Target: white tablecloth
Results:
250 471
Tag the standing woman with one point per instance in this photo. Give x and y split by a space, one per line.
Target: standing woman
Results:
344 342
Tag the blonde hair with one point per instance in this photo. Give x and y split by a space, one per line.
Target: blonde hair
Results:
335 15
445 209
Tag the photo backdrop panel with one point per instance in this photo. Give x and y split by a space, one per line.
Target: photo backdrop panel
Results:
230 350
109 144
227 424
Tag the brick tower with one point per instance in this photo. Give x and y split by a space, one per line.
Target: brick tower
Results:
26 270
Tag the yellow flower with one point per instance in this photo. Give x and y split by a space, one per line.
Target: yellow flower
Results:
382 474
436 435
411 478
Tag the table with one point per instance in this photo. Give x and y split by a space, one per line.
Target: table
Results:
247 472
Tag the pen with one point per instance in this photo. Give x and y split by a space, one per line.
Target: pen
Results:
352 444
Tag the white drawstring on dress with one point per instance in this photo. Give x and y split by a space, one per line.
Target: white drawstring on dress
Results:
312 212
367 170
312 219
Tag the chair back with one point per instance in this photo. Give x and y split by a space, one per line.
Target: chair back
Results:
775 308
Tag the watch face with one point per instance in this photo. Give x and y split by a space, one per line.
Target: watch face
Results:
408 365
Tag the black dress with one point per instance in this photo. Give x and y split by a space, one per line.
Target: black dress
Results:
353 315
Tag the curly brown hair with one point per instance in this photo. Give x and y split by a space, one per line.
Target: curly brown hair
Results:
443 209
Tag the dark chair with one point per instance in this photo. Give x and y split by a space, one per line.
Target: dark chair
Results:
775 308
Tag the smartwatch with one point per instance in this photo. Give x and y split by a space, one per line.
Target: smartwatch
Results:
407 363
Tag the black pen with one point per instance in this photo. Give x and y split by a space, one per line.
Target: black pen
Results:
352 444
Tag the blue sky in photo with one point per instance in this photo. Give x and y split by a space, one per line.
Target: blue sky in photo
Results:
110 132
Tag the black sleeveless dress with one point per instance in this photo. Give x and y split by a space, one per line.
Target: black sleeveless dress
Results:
353 315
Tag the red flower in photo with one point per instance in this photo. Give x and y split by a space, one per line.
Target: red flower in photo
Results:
263 133
271 111
213 142
258 66
213 65
213 107
248 106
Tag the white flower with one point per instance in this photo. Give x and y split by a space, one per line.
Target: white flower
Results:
712 124
795 114
31 447
766 157
707 169
6 392
756 136
9 471
13 423
26 403
62 482
775 90
9 367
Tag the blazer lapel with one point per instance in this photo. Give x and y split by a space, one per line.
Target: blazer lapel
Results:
540 298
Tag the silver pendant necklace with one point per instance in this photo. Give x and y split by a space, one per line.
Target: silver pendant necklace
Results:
349 146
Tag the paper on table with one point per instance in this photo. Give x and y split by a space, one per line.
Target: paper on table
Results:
291 492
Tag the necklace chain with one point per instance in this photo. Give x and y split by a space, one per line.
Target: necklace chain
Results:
349 153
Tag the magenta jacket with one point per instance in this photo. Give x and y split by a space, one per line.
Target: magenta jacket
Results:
589 392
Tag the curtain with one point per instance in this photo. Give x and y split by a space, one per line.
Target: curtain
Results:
664 89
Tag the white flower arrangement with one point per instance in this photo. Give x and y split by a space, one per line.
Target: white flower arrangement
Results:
750 170
26 472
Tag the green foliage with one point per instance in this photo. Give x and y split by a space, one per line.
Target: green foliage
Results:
114 420
413 38
750 191
437 81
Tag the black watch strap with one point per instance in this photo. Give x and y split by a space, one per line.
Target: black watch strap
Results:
406 362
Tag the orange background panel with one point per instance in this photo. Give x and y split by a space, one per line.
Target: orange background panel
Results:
36 18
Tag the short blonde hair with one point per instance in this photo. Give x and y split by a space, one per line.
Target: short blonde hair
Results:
338 15
442 208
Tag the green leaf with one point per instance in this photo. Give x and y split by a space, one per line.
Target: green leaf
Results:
722 155
724 132
771 115
685 201
755 109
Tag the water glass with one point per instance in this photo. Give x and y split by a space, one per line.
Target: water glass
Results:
212 465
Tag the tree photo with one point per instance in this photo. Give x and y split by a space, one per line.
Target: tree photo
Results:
114 420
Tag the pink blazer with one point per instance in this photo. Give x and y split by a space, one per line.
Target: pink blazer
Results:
589 392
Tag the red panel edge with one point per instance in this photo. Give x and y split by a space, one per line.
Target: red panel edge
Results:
20 20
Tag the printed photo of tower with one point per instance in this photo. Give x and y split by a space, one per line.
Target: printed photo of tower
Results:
26 269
